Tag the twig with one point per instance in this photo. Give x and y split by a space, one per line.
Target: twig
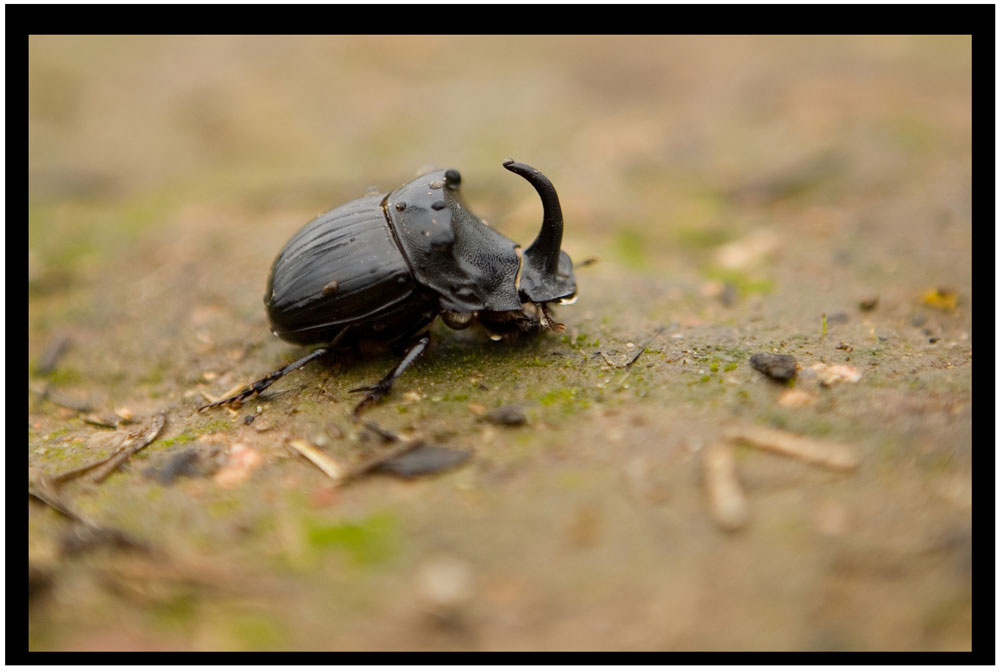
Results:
45 490
643 348
726 501
51 356
108 465
119 456
45 392
341 473
335 470
814 451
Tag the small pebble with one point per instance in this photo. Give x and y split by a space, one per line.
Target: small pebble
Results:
777 367
837 318
796 399
192 462
506 415
425 459
444 583
868 304
242 461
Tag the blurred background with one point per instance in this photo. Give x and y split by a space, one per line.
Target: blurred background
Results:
733 190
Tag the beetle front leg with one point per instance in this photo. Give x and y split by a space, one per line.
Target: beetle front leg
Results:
259 386
378 391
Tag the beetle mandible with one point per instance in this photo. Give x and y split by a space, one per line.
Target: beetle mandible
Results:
379 269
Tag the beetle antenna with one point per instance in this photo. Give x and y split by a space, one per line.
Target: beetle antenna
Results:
543 254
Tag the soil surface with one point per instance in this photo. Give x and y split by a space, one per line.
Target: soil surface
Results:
806 196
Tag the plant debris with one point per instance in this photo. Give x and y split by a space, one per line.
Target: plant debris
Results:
726 502
86 534
628 364
326 464
44 392
132 444
813 451
945 299
776 367
109 420
410 458
82 537
47 362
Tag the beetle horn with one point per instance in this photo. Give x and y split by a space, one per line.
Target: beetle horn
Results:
543 254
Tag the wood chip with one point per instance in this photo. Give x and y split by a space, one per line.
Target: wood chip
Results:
831 374
814 451
326 464
727 503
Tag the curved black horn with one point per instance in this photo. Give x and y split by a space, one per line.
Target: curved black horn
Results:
543 254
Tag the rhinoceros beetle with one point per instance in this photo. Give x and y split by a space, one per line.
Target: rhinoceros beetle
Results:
379 269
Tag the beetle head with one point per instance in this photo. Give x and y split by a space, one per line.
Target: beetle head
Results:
547 273
469 265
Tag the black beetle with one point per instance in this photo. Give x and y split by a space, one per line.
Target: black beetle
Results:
379 269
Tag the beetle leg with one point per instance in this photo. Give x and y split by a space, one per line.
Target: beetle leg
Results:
548 321
375 393
259 386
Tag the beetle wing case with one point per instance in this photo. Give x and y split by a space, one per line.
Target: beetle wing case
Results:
471 266
343 269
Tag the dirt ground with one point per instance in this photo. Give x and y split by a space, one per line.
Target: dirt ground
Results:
800 195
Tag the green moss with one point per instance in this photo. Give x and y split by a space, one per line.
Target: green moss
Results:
911 134
368 541
174 614
180 439
219 425
630 248
222 508
65 375
567 399
154 376
744 283
257 632
701 238
572 480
